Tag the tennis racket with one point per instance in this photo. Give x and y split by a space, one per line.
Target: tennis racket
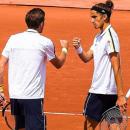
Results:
2 99
113 119
9 119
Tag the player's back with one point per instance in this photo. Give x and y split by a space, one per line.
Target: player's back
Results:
27 67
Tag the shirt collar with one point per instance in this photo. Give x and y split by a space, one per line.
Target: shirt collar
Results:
32 30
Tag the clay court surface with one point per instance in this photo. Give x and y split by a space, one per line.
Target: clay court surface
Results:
66 89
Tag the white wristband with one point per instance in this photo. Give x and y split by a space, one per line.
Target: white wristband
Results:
64 50
79 50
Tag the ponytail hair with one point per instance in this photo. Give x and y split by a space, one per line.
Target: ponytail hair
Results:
109 4
104 8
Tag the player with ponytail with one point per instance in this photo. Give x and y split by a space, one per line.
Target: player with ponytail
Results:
106 89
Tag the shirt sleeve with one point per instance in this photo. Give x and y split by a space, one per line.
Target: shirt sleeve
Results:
50 50
112 43
7 49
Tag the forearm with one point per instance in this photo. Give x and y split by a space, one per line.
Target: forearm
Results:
1 74
1 79
121 99
61 59
58 61
85 57
119 82
3 61
115 59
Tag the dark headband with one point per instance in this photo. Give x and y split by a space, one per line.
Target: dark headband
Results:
100 10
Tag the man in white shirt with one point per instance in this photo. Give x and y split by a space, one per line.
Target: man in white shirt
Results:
26 54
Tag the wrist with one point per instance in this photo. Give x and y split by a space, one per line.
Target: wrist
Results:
64 50
120 92
121 95
79 50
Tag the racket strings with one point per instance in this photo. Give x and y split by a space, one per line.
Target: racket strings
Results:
114 119
113 116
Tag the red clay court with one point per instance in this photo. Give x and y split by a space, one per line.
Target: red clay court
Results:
66 88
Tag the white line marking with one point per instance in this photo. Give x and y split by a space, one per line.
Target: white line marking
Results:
63 113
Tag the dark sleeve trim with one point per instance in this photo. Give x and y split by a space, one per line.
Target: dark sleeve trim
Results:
112 40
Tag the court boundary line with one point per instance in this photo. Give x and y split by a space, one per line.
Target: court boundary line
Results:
63 113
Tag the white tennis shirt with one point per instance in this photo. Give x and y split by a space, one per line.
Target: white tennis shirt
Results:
103 78
27 53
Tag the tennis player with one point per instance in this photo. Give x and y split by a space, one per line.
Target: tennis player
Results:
26 54
106 89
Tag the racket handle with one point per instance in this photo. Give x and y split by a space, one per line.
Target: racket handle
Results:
2 97
128 94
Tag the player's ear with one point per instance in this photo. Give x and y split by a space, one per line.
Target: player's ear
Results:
41 27
105 17
42 24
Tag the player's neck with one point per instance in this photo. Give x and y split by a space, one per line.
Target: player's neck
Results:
104 26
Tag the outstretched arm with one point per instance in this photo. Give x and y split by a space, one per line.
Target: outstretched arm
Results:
85 57
58 61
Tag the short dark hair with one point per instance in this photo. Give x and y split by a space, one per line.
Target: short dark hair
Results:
34 18
104 8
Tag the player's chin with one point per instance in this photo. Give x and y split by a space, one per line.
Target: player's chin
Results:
95 26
